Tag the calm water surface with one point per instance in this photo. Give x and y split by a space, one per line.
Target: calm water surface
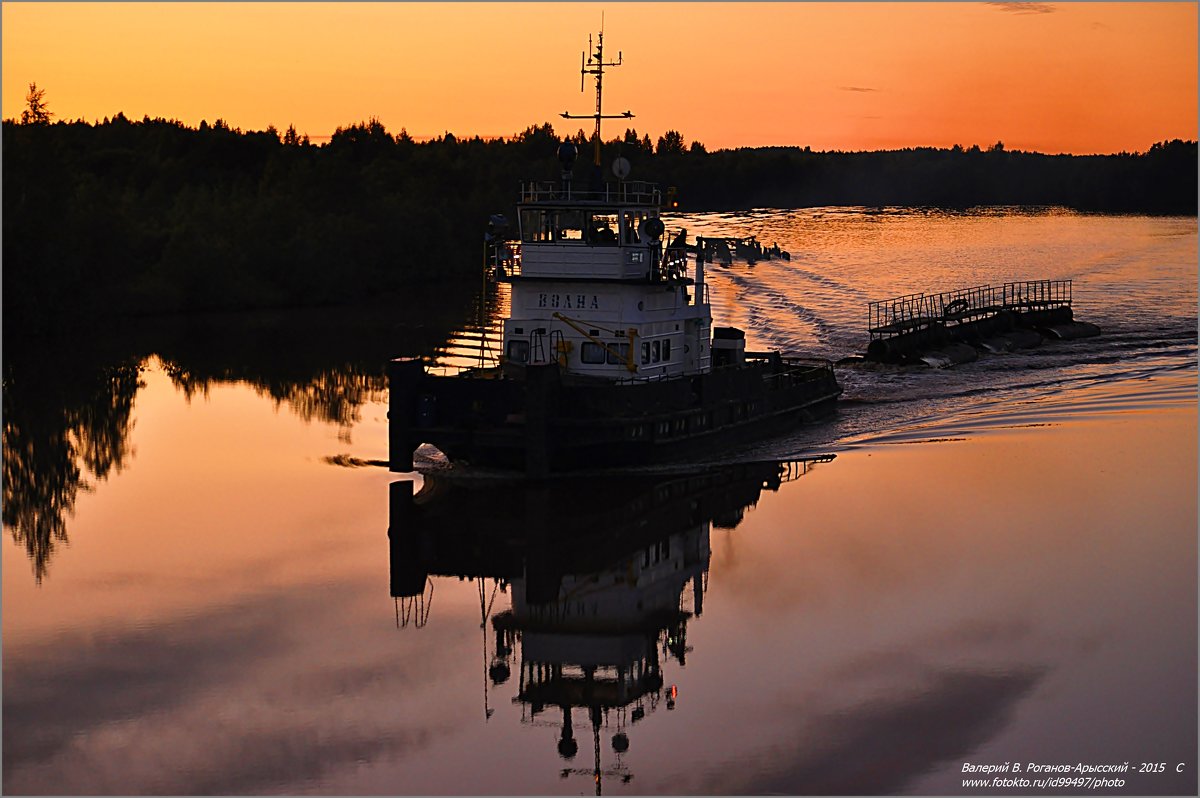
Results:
212 586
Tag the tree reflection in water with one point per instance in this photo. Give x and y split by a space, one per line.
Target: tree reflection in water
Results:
65 429
333 396
68 428
322 365
68 405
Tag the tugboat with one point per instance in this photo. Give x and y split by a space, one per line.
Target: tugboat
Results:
609 356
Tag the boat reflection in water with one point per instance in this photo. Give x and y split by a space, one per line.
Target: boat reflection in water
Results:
603 575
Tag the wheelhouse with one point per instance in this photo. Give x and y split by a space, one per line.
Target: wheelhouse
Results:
610 234
597 289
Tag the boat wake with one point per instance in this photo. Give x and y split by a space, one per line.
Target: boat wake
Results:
1142 295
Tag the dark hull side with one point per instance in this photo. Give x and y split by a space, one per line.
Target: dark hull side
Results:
543 424
437 532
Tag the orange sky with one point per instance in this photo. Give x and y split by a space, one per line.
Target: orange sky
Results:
1070 77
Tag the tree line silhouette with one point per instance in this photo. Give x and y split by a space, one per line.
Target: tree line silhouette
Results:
127 218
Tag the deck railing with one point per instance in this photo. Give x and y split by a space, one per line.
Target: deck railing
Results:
504 258
627 192
674 263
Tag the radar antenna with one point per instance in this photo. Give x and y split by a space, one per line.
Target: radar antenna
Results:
594 65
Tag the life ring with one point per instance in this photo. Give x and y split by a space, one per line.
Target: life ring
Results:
957 306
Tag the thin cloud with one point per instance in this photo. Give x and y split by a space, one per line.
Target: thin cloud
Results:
223 702
893 741
1025 8
856 88
54 697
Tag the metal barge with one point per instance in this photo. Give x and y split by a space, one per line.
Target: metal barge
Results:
953 326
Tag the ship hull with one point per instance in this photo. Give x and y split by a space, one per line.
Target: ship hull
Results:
544 423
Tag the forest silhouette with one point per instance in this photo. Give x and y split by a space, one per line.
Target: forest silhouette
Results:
126 218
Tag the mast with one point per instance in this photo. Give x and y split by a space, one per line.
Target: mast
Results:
594 65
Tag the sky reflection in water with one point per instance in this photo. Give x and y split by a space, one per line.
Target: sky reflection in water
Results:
866 628
220 618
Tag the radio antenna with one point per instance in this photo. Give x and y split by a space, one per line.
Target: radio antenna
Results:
594 65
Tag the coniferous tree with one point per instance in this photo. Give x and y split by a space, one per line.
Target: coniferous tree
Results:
36 111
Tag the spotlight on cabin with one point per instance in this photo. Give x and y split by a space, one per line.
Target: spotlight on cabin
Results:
653 228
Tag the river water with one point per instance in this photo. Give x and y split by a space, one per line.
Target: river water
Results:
988 564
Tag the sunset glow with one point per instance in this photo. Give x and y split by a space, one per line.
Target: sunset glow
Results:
1072 77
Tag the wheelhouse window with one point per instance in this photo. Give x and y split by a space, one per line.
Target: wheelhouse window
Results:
518 351
632 222
592 353
666 349
645 352
602 229
536 225
569 226
552 225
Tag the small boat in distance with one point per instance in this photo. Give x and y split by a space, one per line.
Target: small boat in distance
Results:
609 357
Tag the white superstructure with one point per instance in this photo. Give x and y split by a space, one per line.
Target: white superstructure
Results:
595 289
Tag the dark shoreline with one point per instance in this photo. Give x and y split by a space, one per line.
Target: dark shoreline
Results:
105 221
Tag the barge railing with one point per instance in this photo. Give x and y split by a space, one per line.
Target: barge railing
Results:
1037 294
791 470
911 312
